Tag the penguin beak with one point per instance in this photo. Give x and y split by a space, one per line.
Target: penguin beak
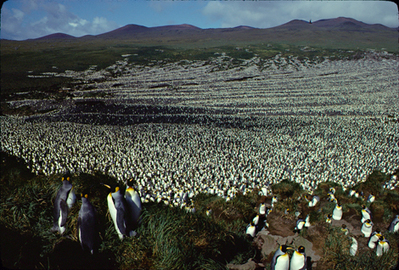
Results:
106 185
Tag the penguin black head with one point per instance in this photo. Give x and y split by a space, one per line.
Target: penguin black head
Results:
301 249
66 178
112 188
130 182
284 248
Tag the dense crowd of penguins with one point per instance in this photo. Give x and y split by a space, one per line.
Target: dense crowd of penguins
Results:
281 259
195 158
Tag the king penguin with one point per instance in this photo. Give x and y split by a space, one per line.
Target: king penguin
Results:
300 223
394 226
87 225
367 228
382 246
281 260
366 214
116 207
251 229
353 247
262 209
375 236
298 259
337 212
63 203
133 203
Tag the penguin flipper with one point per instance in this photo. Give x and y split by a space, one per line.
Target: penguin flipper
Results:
120 221
64 212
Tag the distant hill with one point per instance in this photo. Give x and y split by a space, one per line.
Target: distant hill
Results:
335 33
56 36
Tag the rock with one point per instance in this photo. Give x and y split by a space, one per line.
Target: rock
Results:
250 265
300 241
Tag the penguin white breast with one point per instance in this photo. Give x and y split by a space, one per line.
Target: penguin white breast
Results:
251 231
367 229
353 247
282 262
297 261
337 213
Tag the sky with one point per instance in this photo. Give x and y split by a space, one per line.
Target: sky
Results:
25 19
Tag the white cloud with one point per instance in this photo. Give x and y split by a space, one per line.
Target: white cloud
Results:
56 19
264 14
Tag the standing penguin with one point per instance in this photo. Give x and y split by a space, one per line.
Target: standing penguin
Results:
337 212
116 207
394 226
366 214
328 218
300 223
353 247
281 260
262 209
63 203
251 229
133 211
298 259
375 236
87 225
382 246
367 228
314 201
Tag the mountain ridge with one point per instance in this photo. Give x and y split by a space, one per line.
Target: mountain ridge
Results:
140 31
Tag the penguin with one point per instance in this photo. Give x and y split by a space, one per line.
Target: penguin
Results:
209 211
255 220
63 203
298 259
366 214
274 201
314 201
87 225
133 209
251 229
331 190
328 218
353 247
382 246
300 223
371 198
307 221
281 260
337 212
262 209
344 229
332 197
375 236
367 228
117 209
394 226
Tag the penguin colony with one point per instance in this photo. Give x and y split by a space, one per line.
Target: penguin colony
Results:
376 240
166 158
